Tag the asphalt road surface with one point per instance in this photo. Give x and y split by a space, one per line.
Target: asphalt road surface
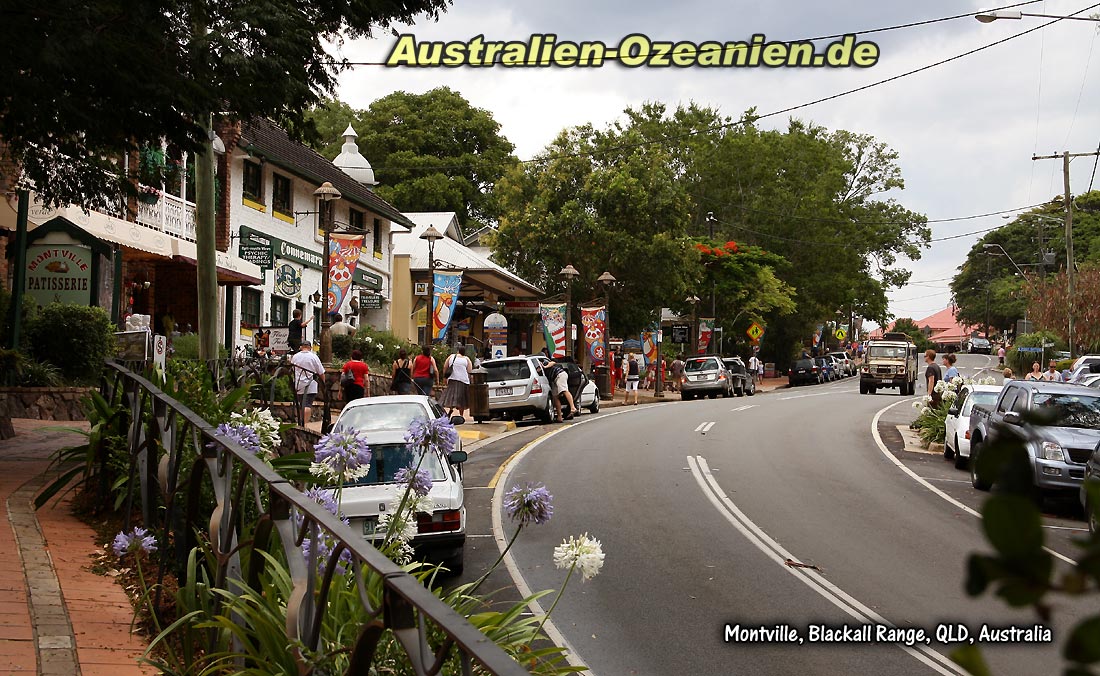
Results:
779 512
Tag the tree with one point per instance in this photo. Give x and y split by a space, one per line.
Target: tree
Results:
1048 305
431 152
910 328
87 82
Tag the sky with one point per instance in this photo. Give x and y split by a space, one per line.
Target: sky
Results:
965 131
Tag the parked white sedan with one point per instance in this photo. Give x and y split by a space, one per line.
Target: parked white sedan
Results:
957 441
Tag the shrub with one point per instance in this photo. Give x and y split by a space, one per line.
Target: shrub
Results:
185 346
33 373
1021 361
75 338
29 309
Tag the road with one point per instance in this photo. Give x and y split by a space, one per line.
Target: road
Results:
701 506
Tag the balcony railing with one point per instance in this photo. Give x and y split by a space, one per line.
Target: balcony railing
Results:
168 214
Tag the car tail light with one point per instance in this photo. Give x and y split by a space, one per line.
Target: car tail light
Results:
967 435
815 369
790 372
439 522
536 387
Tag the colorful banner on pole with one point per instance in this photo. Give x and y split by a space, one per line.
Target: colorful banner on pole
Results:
444 298
706 333
343 256
819 335
553 325
594 321
649 346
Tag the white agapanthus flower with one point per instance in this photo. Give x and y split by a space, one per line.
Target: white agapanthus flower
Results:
584 552
367 340
926 399
940 386
924 409
990 380
917 404
266 427
950 395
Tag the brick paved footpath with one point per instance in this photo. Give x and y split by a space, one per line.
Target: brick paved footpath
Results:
56 617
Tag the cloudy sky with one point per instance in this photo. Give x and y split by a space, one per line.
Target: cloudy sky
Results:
965 130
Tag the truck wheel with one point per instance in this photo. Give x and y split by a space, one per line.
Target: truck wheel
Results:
975 480
752 389
862 387
684 396
872 390
713 395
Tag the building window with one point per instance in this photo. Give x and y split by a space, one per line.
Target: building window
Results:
250 307
377 236
280 311
317 323
252 184
356 219
281 195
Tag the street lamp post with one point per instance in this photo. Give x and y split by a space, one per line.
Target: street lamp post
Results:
990 17
326 194
694 300
431 235
607 280
569 272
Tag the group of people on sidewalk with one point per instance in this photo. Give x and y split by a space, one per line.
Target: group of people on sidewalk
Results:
418 375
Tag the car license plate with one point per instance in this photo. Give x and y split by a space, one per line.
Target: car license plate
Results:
887 381
369 525
504 391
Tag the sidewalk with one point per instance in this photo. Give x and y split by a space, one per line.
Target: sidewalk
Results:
56 616
647 397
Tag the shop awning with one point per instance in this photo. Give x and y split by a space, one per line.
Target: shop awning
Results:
226 276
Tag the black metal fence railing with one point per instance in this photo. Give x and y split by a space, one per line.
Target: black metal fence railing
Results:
248 495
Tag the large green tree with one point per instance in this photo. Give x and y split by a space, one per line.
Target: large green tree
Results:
431 152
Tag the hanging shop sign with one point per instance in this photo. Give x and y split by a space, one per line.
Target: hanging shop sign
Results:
288 280
59 273
307 257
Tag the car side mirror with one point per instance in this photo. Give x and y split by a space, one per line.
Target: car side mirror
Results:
456 457
1013 418
954 410
457 420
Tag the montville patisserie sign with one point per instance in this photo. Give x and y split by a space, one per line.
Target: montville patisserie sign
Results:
59 274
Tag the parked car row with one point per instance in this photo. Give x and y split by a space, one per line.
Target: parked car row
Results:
712 375
1059 422
817 370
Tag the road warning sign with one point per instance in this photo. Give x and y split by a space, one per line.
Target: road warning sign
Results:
755 331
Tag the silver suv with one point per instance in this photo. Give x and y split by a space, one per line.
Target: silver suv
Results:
705 376
518 387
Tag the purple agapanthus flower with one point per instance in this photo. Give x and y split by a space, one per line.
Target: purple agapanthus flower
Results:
242 434
137 539
437 435
419 479
530 503
341 456
325 542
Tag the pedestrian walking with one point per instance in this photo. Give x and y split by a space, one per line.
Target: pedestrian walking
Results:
425 372
339 326
1008 375
402 382
1036 372
950 372
677 372
457 372
1001 355
359 383
307 370
759 370
932 375
633 374
1052 374
754 363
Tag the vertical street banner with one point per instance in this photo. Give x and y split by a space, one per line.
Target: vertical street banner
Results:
649 345
819 335
343 257
553 322
444 298
706 333
594 321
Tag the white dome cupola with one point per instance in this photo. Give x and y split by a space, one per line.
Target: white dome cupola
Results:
352 162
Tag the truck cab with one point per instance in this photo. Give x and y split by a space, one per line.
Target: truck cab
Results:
889 363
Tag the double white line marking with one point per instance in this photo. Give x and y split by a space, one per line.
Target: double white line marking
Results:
810 577
704 427
743 408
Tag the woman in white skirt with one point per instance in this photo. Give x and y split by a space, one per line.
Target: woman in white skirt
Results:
456 396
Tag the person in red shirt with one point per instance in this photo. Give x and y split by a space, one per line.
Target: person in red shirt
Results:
425 372
361 372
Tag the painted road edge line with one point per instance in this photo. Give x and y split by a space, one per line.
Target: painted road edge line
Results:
916 477
811 578
571 655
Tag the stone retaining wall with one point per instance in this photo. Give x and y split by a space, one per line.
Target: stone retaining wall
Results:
43 403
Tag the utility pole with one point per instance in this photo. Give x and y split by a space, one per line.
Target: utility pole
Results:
711 220
1070 272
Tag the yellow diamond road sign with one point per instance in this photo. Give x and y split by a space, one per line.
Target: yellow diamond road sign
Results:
841 334
755 331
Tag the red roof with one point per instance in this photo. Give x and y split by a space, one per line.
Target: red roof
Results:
943 325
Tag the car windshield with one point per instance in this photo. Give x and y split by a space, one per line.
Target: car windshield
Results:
1070 410
388 459
978 398
803 364
391 415
886 352
516 369
839 356
710 364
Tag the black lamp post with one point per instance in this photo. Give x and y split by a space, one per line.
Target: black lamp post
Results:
694 300
325 195
569 272
431 235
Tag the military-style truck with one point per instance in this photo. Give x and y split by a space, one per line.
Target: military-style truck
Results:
889 362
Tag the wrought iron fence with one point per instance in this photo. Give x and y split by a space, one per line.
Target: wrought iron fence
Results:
244 488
